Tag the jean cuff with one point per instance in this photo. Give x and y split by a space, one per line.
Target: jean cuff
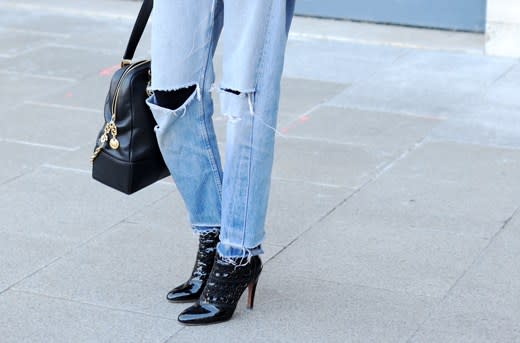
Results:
226 250
205 229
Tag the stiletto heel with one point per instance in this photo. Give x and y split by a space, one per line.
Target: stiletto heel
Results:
229 278
251 290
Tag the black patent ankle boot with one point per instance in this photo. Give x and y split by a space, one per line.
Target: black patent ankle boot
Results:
225 285
192 289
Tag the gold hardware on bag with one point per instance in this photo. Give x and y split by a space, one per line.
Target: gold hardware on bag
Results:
114 143
110 127
149 91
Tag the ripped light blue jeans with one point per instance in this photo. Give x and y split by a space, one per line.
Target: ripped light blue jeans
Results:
184 37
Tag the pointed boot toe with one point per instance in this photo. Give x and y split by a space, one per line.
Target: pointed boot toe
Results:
203 314
192 289
223 290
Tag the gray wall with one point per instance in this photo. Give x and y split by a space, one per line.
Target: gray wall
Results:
467 15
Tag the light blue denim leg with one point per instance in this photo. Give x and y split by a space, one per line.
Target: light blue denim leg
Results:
255 36
184 36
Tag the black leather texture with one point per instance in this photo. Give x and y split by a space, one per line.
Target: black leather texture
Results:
137 162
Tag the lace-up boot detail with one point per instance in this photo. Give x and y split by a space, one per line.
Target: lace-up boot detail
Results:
228 280
192 289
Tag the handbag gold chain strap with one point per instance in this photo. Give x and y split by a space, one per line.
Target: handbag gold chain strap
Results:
110 127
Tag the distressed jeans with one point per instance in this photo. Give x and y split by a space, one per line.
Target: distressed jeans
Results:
184 37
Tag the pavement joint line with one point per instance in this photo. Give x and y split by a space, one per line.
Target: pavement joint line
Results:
301 36
75 170
66 11
90 304
324 140
383 111
175 334
14 178
507 71
371 75
487 145
35 47
8 288
475 261
401 157
88 171
83 243
291 124
38 76
39 145
322 184
82 48
64 107
354 192
36 33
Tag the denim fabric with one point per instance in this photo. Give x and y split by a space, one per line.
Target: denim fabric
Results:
184 37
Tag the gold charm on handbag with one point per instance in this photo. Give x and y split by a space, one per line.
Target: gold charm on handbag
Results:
114 143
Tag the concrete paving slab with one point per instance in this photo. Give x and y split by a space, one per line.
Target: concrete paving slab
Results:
483 123
17 87
69 206
83 28
300 96
76 161
337 62
36 318
15 43
391 35
295 206
88 94
426 83
364 252
505 93
484 304
20 158
88 36
22 255
332 164
339 313
387 132
460 64
131 268
440 336
58 60
511 77
446 187
67 127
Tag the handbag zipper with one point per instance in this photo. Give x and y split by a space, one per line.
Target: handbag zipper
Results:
110 127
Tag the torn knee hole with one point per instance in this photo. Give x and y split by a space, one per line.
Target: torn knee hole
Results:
174 99
236 103
232 91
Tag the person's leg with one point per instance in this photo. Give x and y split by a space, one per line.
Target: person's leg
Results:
255 35
184 36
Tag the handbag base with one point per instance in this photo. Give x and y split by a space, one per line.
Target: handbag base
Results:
127 177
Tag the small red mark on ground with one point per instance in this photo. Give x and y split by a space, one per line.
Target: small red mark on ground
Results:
303 118
68 94
109 70
284 130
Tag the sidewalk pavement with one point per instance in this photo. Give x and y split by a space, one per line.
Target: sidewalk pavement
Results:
394 205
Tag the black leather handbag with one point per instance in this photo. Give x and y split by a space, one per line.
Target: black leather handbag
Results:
127 155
